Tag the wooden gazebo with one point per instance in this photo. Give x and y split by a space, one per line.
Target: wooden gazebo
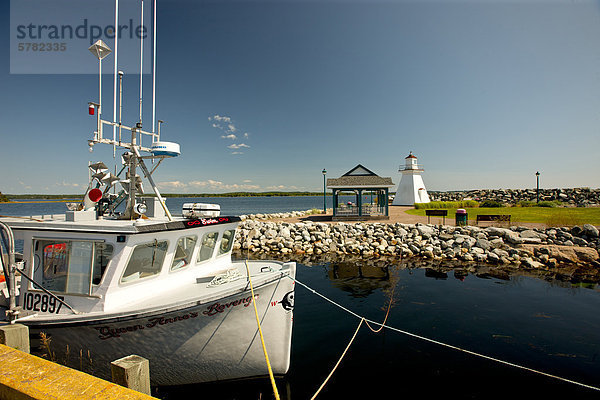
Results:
360 180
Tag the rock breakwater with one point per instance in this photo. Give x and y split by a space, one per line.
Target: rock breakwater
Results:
580 197
518 247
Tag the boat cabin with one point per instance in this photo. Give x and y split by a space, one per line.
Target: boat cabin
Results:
105 264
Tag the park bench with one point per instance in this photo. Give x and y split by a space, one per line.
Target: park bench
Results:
436 213
493 218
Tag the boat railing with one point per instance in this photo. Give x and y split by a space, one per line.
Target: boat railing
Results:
8 243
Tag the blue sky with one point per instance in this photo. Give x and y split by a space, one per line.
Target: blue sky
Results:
264 95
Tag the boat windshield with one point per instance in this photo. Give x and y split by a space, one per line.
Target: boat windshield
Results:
209 240
183 252
226 241
146 260
70 266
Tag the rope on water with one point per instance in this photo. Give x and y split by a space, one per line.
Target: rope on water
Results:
386 314
382 325
339 361
262 339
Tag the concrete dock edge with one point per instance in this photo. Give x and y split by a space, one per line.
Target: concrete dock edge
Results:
23 376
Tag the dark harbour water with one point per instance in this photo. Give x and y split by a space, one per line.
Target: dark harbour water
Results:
547 325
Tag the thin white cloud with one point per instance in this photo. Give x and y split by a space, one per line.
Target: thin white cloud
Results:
282 187
238 146
67 184
226 125
172 185
24 185
219 118
209 185
223 123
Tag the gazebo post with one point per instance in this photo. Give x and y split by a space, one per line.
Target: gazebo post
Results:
386 202
359 202
335 201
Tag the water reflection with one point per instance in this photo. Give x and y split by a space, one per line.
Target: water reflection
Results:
368 268
359 280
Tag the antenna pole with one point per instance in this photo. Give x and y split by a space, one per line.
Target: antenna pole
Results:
141 57
120 101
154 70
115 76
99 89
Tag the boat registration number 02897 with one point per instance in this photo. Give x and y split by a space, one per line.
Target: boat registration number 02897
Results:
42 302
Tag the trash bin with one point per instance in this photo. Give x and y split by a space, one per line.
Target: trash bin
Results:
461 217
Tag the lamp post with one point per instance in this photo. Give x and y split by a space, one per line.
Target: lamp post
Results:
324 193
537 176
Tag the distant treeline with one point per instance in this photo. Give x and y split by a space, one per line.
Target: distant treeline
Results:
43 196
232 194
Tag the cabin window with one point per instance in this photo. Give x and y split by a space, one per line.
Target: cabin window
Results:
209 240
183 252
226 242
146 260
70 266
102 254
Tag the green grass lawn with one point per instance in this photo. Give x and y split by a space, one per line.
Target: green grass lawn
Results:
558 216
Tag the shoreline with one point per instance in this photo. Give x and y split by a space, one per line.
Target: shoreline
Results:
566 252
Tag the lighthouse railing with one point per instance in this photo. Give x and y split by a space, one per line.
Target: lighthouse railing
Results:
410 167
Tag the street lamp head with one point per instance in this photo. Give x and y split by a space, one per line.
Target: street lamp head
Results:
324 172
537 173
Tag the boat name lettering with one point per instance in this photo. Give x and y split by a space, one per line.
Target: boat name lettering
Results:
207 221
106 332
219 308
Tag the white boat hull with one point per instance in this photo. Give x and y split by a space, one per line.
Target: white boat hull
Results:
212 341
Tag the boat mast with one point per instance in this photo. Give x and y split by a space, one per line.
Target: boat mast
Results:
132 158
154 69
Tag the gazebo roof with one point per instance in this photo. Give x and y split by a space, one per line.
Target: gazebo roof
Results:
359 177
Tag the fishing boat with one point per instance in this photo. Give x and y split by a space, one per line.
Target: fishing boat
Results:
118 274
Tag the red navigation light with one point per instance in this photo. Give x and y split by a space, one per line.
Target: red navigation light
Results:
95 195
91 109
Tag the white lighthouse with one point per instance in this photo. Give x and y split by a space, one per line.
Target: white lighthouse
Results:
411 188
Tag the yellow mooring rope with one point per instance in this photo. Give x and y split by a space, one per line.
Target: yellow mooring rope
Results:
339 361
262 339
